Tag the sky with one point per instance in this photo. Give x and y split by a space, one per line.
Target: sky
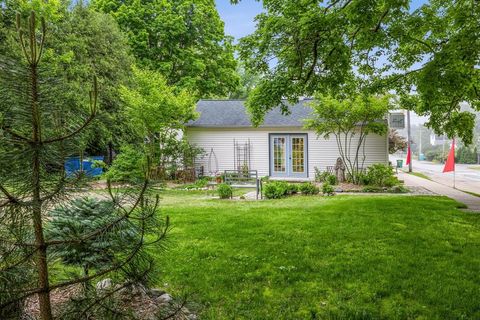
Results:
240 21
239 18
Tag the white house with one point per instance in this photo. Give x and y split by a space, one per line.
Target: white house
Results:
279 148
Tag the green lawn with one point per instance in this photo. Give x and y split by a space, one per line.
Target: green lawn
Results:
420 175
343 257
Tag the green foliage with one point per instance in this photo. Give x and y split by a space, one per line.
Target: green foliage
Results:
157 111
276 189
436 155
371 47
128 166
332 179
292 188
308 188
185 43
380 175
153 106
466 155
321 176
86 216
356 117
248 81
327 189
372 189
198 184
224 191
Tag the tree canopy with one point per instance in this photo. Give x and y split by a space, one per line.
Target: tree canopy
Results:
184 40
350 120
340 46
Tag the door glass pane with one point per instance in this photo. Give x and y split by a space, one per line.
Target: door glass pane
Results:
298 155
279 156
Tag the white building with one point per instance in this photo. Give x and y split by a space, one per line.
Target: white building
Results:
279 148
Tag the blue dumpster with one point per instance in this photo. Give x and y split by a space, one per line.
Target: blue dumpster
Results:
72 165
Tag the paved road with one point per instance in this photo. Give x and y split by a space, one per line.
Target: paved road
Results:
467 176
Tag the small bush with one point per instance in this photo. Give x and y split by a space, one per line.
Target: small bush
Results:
128 166
308 188
381 175
201 183
224 191
276 189
331 179
321 176
292 188
327 189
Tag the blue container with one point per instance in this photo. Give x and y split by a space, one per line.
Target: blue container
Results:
72 165
421 157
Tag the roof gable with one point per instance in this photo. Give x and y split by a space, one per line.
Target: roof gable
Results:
233 113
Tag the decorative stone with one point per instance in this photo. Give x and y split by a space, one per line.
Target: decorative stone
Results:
104 284
156 292
165 298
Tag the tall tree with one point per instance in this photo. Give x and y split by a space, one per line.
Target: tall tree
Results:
83 42
339 46
350 121
158 112
37 133
182 39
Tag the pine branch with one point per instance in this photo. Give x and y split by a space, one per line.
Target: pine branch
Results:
112 268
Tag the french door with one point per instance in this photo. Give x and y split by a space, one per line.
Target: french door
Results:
288 155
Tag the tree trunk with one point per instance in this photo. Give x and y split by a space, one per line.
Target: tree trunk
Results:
42 266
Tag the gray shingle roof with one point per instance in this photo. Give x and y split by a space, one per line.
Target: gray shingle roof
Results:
233 113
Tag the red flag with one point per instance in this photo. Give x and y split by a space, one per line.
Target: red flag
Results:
409 155
450 164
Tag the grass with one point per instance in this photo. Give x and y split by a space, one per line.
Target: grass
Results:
343 257
474 167
420 175
471 193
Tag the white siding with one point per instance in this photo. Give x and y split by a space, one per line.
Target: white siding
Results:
321 152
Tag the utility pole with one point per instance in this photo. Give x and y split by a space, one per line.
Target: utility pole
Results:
408 140
420 143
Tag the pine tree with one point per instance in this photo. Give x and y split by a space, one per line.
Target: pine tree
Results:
36 135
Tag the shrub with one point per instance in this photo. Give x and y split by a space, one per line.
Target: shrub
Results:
466 155
321 176
84 216
128 166
381 175
327 189
224 191
308 188
276 189
292 188
265 178
201 183
331 179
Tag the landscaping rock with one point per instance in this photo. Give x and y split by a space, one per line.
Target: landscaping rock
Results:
104 284
156 293
165 298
